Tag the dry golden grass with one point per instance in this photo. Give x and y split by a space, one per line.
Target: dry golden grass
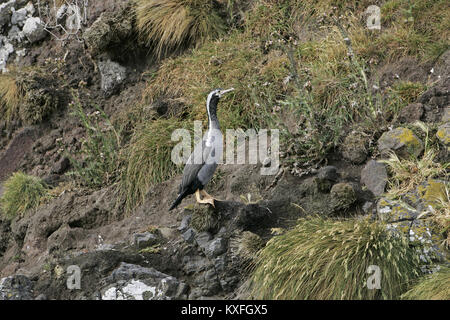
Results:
432 287
407 174
170 25
10 97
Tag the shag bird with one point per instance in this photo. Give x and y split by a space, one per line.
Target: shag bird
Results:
203 161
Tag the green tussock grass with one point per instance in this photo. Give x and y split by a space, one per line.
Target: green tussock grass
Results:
433 287
21 193
148 160
170 25
328 259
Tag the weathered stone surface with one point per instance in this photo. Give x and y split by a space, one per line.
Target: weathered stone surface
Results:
328 173
202 239
354 148
34 30
133 282
108 30
193 264
189 235
65 238
112 75
184 225
5 12
326 177
343 195
6 49
446 115
61 166
216 247
17 287
407 216
402 141
411 113
98 36
374 177
144 240
443 134
18 17
430 193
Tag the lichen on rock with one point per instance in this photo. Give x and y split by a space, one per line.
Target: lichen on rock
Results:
402 141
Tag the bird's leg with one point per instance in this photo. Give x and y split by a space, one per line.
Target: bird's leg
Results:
208 196
206 199
197 196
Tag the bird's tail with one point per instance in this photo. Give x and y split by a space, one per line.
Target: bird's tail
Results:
178 200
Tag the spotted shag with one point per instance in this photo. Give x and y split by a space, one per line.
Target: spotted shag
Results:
202 163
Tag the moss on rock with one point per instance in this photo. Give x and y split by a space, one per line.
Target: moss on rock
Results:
343 195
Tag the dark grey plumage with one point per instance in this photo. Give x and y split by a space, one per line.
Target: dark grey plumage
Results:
202 163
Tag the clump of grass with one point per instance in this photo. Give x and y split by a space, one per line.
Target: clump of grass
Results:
22 192
432 287
98 162
408 91
11 97
170 25
440 215
204 219
408 173
28 95
152 249
247 245
331 93
408 28
329 259
148 159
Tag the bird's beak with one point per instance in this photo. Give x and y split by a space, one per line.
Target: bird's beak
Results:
222 92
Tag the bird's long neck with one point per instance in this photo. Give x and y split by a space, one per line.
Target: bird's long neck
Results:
213 121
